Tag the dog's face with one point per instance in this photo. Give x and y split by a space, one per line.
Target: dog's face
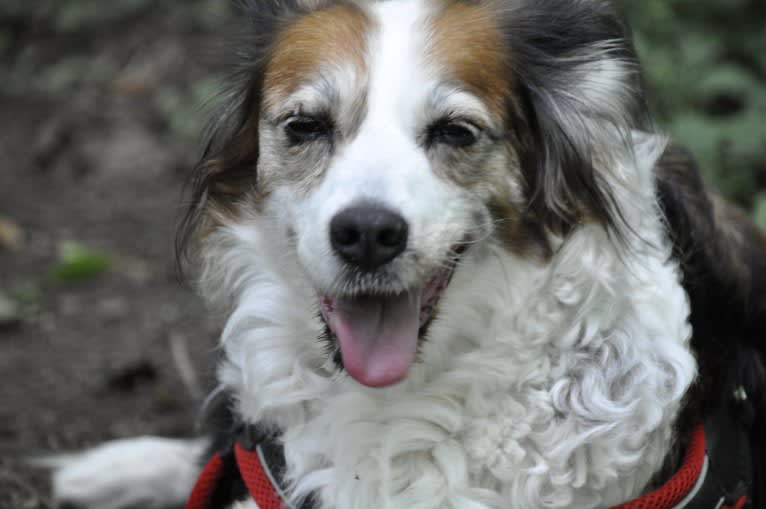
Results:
385 140
382 161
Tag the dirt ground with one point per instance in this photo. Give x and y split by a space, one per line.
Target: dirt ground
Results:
98 115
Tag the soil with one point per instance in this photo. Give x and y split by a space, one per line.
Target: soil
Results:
95 116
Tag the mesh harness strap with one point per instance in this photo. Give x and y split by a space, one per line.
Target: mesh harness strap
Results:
259 481
671 494
256 461
202 494
260 465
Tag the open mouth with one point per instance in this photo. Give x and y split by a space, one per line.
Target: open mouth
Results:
378 335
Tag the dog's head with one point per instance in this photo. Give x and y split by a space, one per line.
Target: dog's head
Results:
383 141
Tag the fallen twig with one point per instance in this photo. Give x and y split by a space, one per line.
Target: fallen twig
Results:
180 352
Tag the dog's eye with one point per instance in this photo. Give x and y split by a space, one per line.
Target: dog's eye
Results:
452 133
306 129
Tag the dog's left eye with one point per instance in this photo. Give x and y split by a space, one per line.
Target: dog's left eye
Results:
306 129
452 133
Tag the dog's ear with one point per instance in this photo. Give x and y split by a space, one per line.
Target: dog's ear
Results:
577 86
227 166
226 170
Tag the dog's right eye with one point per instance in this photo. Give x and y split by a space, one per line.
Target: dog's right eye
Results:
306 129
452 132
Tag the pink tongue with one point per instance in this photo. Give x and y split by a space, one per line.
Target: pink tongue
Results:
378 336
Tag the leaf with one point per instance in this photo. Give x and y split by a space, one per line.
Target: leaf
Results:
27 294
11 235
728 77
760 210
10 313
76 262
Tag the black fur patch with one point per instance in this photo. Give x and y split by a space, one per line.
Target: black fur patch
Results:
220 420
723 260
553 45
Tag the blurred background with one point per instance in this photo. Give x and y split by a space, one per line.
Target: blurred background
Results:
101 104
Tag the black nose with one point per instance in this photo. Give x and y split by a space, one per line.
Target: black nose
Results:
368 236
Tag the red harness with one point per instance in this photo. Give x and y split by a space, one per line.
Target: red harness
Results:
682 484
674 494
253 472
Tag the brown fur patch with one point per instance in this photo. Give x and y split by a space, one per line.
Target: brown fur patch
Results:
466 40
518 232
232 172
336 34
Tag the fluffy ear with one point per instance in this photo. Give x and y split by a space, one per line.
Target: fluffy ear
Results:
227 168
576 75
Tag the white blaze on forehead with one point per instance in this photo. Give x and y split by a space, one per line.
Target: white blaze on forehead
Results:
399 83
384 161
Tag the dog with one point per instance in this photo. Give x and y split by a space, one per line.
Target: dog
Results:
460 268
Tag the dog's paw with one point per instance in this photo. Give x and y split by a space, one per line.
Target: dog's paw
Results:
147 472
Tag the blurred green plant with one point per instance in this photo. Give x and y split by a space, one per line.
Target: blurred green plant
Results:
77 262
27 293
760 209
182 106
74 15
705 68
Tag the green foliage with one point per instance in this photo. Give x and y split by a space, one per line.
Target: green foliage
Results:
760 209
77 262
181 105
75 15
705 68
27 294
